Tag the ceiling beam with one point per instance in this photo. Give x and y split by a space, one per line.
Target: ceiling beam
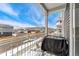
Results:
43 5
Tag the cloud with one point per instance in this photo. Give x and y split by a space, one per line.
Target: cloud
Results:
52 26
36 15
14 23
7 9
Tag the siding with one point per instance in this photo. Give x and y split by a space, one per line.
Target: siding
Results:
67 22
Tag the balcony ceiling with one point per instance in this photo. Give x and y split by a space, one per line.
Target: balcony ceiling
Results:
53 6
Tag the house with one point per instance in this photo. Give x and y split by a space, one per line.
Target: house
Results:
6 30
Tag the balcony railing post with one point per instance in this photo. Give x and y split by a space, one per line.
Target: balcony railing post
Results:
17 49
12 48
25 48
6 51
21 47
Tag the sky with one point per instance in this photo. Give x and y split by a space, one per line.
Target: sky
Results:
25 15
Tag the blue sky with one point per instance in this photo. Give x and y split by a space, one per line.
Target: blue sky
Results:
25 15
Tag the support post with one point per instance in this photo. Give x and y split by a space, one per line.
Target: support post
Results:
63 23
46 23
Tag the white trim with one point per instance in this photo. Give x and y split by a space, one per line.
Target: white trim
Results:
74 26
72 37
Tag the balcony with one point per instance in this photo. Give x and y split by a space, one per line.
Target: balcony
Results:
25 45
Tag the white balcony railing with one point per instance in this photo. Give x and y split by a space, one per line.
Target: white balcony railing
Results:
20 48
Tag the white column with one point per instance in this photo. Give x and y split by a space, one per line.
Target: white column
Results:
46 23
72 33
63 23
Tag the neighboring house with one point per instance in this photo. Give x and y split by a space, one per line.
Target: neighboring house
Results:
6 30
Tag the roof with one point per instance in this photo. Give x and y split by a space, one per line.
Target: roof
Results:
5 26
